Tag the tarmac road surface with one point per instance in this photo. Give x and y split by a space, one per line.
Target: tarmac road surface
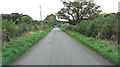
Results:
58 48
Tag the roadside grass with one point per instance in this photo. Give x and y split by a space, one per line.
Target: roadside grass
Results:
27 34
108 49
13 49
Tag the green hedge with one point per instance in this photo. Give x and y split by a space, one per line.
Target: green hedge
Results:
13 49
11 30
106 48
101 27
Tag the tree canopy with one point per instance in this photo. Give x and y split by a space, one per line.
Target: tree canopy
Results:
51 20
78 11
16 17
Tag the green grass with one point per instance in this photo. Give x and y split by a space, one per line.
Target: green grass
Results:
13 49
107 49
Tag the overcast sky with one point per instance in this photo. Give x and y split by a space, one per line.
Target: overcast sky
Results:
31 7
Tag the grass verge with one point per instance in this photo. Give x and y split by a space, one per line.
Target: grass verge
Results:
107 49
13 49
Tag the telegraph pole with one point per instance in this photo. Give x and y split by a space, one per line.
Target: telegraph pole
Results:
41 18
40 14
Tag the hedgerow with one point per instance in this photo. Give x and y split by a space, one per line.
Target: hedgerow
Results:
107 49
13 49
100 28
15 25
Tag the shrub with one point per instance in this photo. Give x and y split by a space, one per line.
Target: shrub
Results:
101 27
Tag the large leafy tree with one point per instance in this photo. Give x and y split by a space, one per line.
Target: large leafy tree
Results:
51 20
74 11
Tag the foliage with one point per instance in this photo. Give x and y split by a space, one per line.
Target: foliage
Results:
100 28
51 20
118 16
14 25
76 11
13 49
26 19
16 17
106 48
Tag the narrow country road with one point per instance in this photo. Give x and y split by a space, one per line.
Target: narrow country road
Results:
58 48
